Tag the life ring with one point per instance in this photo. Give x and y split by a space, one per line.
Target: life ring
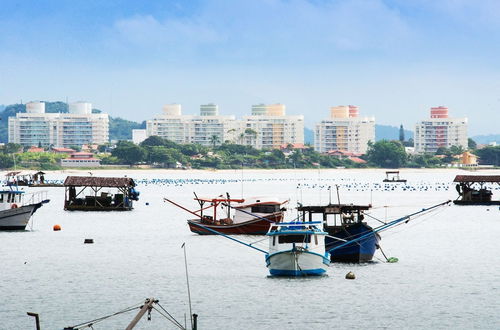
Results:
14 206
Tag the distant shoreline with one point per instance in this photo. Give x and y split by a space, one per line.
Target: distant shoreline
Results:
128 171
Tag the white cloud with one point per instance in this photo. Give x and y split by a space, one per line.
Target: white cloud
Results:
271 29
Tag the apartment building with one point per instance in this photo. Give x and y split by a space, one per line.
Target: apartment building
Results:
440 131
79 126
270 127
267 127
345 130
206 129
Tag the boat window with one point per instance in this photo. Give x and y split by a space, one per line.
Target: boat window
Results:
1 198
10 198
263 208
316 239
294 239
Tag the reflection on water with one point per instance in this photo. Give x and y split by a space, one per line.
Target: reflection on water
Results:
446 276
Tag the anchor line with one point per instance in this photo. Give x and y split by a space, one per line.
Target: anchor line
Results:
100 319
170 318
371 216
228 237
390 224
417 223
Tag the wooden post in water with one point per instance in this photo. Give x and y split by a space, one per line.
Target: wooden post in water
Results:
147 305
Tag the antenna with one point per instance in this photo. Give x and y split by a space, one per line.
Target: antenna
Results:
338 195
241 180
187 281
330 195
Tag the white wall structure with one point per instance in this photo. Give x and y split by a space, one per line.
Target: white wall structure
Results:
35 107
440 131
345 131
59 129
270 127
81 108
138 135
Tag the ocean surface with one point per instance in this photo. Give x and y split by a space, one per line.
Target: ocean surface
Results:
447 277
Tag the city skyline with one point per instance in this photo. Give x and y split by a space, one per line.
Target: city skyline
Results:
394 59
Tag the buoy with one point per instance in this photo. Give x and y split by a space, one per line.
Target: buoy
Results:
147 203
392 260
14 206
88 241
350 276
56 227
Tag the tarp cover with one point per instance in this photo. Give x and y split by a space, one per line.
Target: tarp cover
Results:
96 181
477 178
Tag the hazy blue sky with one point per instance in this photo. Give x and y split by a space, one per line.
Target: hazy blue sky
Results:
395 59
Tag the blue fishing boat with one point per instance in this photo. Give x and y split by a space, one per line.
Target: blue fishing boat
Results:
297 249
344 223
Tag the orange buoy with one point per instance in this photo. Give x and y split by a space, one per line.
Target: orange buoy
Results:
57 227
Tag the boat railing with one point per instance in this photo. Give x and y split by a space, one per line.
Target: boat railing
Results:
34 197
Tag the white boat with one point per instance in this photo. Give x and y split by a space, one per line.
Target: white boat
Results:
17 207
297 249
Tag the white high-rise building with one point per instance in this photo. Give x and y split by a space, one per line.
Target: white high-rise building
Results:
344 131
440 131
267 127
79 126
206 129
270 127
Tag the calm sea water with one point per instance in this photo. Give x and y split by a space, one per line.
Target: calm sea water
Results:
447 276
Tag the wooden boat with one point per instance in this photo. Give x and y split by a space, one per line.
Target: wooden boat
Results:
17 208
92 193
472 191
297 249
251 216
393 176
343 223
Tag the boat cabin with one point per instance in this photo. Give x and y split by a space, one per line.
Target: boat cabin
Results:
474 190
334 216
11 199
99 193
234 211
393 176
25 178
286 236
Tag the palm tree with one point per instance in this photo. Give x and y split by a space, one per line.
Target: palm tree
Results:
214 139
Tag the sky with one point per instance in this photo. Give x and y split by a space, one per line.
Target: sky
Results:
393 58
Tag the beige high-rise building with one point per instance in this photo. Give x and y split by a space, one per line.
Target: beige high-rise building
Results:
345 130
270 127
440 131
78 127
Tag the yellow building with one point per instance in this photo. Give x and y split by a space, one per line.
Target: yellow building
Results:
468 159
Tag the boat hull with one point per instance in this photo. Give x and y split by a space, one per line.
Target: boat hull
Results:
356 252
297 263
256 226
18 218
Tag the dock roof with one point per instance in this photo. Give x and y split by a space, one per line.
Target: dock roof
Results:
96 181
477 178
